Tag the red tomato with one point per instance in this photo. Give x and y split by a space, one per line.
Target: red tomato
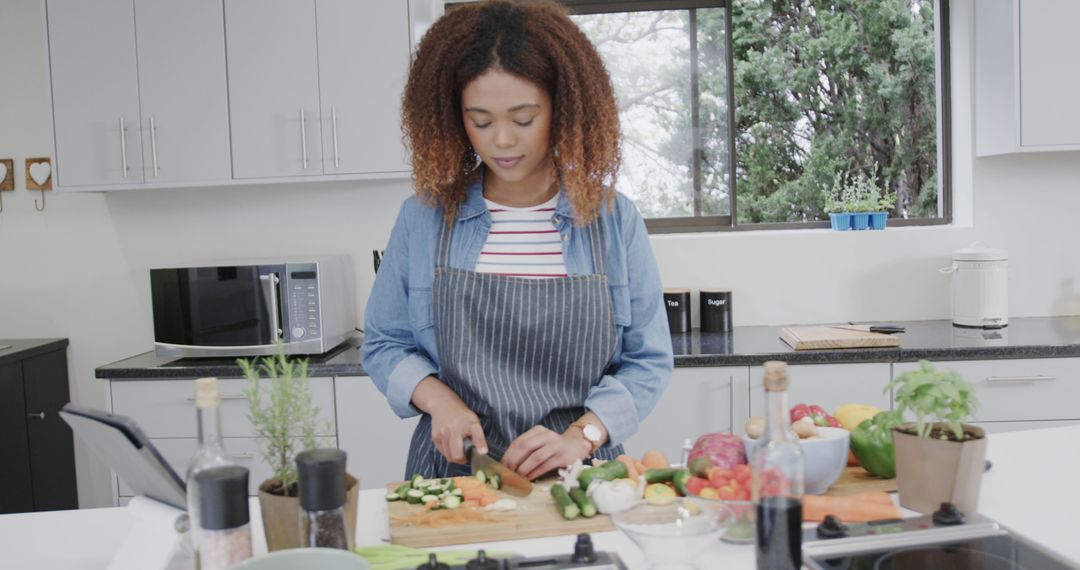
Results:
720 477
727 494
694 485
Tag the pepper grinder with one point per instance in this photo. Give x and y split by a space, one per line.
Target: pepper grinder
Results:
322 499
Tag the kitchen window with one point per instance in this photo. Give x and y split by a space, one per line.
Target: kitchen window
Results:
811 88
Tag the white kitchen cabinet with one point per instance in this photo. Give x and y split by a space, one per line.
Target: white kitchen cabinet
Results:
315 86
183 92
697 401
1025 93
375 439
95 93
1018 391
363 62
827 385
273 67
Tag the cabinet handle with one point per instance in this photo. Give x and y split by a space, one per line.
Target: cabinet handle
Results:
241 455
123 147
38 415
333 124
153 144
224 397
303 137
1018 379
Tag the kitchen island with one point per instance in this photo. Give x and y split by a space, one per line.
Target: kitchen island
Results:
1030 490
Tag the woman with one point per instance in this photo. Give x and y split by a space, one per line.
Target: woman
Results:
518 302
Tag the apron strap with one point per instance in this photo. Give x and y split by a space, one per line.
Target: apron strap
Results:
442 249
596 236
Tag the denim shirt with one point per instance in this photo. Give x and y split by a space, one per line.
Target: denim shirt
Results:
399 345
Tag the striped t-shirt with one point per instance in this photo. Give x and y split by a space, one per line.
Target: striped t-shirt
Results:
523 242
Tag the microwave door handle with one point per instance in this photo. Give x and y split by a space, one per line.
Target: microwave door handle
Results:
270 294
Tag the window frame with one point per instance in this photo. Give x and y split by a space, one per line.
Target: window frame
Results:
729 223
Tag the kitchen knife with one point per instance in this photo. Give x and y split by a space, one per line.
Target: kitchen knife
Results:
885 329
512 483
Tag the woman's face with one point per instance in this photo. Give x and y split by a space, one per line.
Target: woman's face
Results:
508 120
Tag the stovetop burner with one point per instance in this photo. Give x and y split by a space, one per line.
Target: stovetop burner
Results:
945 540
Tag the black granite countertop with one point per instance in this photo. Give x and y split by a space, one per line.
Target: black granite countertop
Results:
14 349
1033 337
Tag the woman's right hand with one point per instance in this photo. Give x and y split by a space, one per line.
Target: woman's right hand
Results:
451 420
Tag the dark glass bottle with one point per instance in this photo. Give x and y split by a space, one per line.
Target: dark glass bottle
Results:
778 480
321 475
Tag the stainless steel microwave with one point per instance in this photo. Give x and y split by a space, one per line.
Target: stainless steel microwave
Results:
247 309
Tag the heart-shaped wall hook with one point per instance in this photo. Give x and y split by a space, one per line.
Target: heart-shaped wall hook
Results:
40 172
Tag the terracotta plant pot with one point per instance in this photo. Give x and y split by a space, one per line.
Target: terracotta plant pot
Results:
281 515
931 471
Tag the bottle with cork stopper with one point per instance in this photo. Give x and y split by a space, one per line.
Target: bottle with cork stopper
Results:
211 451
778 471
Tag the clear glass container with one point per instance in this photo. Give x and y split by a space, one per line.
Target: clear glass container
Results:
221 549
211 451
778 480
325 529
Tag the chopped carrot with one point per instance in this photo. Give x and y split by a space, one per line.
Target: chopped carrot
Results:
470 503
641 468
655 459
488 499
861 507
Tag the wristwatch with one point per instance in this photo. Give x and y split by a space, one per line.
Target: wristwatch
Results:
592 434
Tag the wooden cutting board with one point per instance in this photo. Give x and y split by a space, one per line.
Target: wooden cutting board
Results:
825 337
855 479
534 517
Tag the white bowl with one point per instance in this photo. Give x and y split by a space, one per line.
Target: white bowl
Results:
674 535
825 458
296 558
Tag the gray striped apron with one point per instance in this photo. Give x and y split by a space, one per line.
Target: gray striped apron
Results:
519 352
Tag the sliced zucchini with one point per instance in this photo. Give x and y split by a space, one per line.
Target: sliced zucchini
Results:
414 496
481 476
457 492
416 479
393 497
496 481
428 498
451 502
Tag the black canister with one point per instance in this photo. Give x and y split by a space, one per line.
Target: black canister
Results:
321 474
677 302
715 310
224 520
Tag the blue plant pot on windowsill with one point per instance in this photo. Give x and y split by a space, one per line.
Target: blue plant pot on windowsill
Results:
841 221
878 220
860 221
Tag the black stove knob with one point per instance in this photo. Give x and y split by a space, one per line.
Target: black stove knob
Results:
583 550
831 527
433 564
948 515
482 562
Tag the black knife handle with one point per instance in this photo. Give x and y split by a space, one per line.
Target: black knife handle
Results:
469 448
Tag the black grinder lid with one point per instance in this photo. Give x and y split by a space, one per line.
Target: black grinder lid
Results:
322 479
223 497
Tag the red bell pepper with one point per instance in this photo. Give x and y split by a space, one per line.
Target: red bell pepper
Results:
816 413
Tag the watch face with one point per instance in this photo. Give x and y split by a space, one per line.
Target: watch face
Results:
592 433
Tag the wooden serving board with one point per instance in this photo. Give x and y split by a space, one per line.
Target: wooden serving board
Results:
824 337
534 517
855 479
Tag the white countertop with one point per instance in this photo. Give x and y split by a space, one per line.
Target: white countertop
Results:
1031 489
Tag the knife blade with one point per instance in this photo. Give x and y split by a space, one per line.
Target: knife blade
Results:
512 483
884 329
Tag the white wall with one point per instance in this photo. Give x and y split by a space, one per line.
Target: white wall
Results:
79 269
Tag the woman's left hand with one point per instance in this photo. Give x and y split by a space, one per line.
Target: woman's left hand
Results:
541 450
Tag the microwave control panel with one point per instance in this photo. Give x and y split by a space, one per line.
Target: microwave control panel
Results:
302 288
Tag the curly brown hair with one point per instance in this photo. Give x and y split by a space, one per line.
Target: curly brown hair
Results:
536 41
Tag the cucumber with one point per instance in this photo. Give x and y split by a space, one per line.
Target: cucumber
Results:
457 492
680 479
495 481
606 472
422 483
660 475
451 502
584 503
413 496
393 497
416 479
481 476
402 489
428 498
564 503
447 483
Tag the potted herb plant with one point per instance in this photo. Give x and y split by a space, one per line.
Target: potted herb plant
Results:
858 201
286 420
939 457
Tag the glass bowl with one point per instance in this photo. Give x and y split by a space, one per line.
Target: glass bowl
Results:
741 530
674 535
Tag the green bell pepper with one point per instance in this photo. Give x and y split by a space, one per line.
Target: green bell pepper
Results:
872 445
